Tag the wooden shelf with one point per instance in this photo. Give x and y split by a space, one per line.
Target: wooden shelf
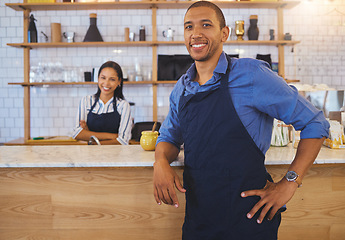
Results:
145 5
141 43
166 82
89 83
292 80
74 83
258 42
94 83
235 42
79 44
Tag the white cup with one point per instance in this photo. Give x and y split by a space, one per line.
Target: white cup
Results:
132 36
69 36
169 34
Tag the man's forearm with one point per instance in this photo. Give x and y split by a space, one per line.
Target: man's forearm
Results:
306 154
166 151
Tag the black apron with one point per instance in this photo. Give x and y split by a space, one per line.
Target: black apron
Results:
221 161
105 122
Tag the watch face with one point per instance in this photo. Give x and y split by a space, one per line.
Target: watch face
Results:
291 176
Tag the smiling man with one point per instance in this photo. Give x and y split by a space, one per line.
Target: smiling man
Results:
222 109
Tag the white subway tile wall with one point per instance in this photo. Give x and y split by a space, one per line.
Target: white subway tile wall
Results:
319 58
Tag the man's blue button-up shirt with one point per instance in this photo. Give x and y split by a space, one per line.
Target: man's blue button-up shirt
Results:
258 95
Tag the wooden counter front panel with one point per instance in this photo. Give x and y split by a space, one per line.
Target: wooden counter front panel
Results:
108 203
118 203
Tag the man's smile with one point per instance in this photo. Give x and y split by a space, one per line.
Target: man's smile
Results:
198 45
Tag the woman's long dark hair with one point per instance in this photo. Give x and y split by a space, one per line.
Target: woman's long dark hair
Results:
118 91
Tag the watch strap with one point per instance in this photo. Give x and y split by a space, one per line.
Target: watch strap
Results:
298 180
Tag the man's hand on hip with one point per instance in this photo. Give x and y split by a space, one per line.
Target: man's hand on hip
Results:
273 196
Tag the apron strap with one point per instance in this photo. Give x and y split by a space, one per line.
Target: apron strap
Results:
225 77
96 100
94 104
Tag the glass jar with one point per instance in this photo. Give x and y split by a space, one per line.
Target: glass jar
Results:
280 134
148 140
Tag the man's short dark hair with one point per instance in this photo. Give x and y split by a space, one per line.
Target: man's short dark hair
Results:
218 11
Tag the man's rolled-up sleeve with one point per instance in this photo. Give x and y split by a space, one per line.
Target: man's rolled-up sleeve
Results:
279 100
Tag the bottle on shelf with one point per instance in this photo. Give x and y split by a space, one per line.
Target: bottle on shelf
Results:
142 33
32 31
253 30
93 34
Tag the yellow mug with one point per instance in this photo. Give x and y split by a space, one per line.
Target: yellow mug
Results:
148 140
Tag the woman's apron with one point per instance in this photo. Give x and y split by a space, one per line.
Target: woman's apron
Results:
105 122
221 161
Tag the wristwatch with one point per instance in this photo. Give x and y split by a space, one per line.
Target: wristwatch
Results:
292 176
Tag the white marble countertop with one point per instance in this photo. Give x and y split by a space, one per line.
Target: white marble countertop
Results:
125 156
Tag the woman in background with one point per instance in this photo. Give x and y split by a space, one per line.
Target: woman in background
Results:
106 114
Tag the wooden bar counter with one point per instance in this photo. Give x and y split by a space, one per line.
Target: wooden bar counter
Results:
106 192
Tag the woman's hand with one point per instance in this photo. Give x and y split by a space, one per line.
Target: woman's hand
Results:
85 134
83 125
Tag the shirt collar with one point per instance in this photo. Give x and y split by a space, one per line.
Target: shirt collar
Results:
222 64
221 68
107 103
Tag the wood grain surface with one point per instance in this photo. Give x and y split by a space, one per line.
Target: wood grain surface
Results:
118 203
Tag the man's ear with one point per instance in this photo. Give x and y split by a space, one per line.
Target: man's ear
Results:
225 33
